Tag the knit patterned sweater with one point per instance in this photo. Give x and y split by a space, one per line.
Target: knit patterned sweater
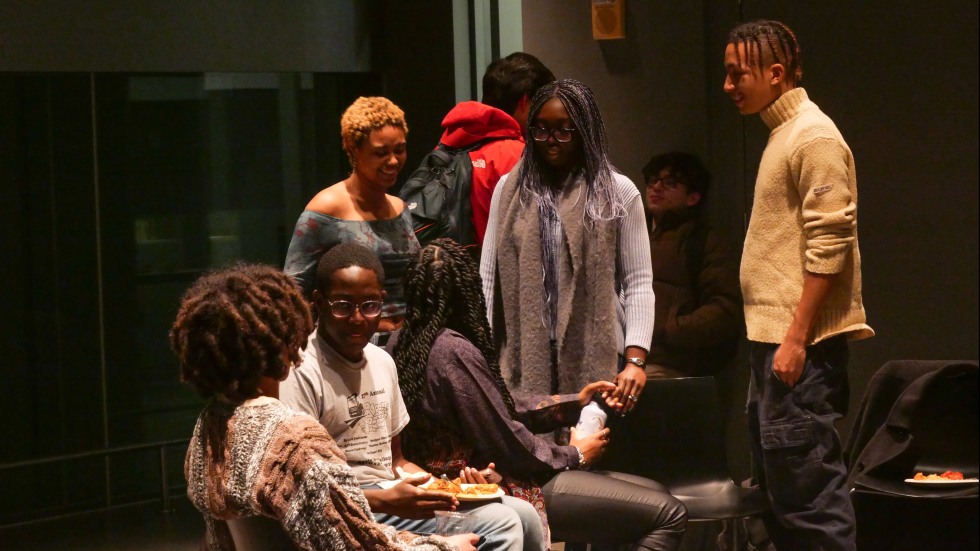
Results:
264 459
804 219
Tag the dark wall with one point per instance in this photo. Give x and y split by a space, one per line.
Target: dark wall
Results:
414 51
899 79
131 162
649 86
185 35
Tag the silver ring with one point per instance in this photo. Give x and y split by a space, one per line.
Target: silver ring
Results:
633 398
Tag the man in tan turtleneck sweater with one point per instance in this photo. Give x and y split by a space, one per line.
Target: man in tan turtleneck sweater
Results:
801 284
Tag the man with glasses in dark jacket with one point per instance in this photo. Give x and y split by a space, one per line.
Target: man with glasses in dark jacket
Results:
698 320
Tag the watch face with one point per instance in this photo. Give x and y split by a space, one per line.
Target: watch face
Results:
636 361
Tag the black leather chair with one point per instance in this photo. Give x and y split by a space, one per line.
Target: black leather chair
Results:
916 416
675 436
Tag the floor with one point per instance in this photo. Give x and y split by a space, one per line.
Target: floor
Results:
140 527
147 528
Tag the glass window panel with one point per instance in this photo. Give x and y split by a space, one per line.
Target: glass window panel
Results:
118 190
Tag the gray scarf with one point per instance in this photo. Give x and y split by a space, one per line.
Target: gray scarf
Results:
585 291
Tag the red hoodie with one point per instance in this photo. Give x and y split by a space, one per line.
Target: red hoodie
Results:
470 122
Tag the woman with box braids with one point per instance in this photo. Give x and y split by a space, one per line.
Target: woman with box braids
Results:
443 292
539 176
566 258
463 418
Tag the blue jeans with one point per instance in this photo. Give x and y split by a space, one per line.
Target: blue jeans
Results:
796 451
510 524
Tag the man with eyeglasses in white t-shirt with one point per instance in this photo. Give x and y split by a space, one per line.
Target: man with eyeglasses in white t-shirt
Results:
351 387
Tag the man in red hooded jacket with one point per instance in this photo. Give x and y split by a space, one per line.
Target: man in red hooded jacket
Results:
501 119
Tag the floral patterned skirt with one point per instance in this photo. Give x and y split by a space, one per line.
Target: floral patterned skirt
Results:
454 455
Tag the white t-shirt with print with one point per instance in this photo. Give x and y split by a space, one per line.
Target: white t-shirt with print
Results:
359 403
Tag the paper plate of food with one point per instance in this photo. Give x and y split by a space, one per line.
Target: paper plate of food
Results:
479 492
465 492
946 479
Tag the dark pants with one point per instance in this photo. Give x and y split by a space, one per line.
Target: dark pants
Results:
796 449
605 507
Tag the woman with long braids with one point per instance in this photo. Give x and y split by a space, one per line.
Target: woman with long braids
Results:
237 334
566 258
464 418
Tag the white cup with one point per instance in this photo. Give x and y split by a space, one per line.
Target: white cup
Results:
451 523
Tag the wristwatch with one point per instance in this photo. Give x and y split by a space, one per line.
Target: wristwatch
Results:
638 362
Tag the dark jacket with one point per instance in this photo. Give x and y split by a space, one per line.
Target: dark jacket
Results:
688 320
915 415
470 122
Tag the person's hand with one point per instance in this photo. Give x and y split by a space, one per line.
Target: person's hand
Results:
789 360
591 446
422 476
469 475
407 500
589 390
463 542
629 387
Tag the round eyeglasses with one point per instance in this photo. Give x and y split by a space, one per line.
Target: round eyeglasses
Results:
669 182
562 135
346 308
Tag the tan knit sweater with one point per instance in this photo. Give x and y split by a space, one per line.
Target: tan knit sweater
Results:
804 219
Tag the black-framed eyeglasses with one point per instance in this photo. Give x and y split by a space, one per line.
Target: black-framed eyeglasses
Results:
345 308
669 182
540 134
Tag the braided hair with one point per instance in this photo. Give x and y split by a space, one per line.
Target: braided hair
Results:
443 290
235 326
602 202
773 40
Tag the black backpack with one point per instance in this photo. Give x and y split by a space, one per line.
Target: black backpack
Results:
437 196
710 359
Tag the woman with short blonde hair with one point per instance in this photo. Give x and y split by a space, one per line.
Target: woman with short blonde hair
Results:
359 209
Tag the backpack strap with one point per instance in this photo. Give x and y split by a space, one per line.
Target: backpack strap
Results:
469 148
443 154
465 207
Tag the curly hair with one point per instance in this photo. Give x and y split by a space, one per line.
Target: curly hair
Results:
366 115
235 326
443 289
780 46
602 202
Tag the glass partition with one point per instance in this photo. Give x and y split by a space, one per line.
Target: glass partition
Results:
118 190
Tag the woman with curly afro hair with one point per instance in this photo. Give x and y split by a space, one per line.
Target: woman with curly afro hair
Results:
359 209
465 419
237 334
